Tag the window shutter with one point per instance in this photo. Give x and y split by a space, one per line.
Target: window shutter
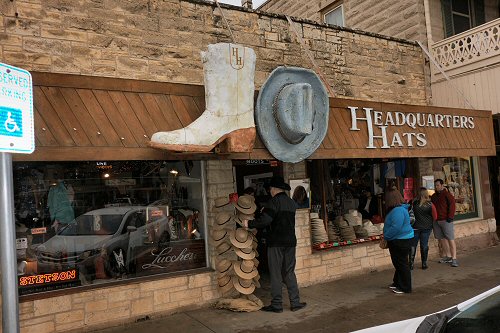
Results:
447 18
479 12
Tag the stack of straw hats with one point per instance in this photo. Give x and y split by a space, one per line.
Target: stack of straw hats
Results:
318 232
239 275
333 232
353 218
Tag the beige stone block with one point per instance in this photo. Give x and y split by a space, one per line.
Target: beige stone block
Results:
69 64
312 262
95 317
164 284
37 320
210 295
359 252
132 292
200 280
161 297
22 27
12 40
142 306
131 64
55 32
111 43
99 305
276 45
185 294
47 327
51 305
70 317
47 46
166 307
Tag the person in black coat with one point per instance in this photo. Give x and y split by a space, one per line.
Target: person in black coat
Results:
279 217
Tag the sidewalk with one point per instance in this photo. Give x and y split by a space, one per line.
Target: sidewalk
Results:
348 304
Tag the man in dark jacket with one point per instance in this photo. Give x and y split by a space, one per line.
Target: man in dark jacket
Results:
279 217
443 228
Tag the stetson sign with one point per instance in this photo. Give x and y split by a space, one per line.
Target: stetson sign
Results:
179 255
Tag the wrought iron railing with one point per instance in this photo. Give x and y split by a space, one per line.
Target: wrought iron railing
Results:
473 45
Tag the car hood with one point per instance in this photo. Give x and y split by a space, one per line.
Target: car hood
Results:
68 244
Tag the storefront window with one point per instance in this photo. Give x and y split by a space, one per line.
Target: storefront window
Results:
347 195
457 175
86 223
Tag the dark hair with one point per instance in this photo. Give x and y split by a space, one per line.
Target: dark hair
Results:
299 194
439 180
393 198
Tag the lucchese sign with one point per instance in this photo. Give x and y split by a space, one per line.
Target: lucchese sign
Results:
379 121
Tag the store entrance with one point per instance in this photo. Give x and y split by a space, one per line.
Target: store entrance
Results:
252 177
494 172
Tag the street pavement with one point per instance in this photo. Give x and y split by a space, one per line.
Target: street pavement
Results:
348 304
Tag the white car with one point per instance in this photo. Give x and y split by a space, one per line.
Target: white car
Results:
480 314
117 230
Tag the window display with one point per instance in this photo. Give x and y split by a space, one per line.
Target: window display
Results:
84 223
346 195
456 172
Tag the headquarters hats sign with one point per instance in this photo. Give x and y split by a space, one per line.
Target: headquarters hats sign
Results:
16 110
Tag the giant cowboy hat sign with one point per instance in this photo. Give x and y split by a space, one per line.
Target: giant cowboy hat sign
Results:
292 113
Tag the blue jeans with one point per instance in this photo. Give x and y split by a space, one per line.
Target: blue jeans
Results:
422 235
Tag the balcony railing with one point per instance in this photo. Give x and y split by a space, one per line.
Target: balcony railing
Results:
471 46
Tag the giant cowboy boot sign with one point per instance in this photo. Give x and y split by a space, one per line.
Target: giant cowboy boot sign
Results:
229 95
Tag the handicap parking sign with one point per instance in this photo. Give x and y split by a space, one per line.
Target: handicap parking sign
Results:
16 110
12 120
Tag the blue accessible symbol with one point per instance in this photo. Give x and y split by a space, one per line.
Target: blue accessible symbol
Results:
11 122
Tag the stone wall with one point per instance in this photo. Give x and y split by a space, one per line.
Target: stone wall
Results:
402 19
161 41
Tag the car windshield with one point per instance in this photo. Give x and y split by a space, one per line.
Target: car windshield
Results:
93 225
483 317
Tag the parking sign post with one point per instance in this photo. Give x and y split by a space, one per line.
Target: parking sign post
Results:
8 257
16 136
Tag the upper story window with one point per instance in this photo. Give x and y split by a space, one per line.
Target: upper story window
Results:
335 16
462 15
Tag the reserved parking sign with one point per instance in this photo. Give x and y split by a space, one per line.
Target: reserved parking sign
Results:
17 133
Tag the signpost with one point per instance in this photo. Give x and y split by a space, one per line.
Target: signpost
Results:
16 136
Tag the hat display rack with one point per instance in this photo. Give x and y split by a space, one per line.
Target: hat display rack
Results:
236 248
346 229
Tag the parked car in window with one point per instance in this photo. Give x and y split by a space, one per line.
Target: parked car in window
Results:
115 230
480 314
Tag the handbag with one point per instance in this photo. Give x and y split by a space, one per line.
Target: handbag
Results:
383 244
412 216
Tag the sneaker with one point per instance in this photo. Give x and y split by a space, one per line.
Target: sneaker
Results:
393 286
454 263
445 260
397 291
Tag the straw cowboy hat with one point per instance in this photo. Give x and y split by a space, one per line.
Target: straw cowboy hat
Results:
225 284
245 204
240 238
222 219
219 235
245 269
256 281
224 267
291 113
246 253
242 216
223 248
221 202
244 286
